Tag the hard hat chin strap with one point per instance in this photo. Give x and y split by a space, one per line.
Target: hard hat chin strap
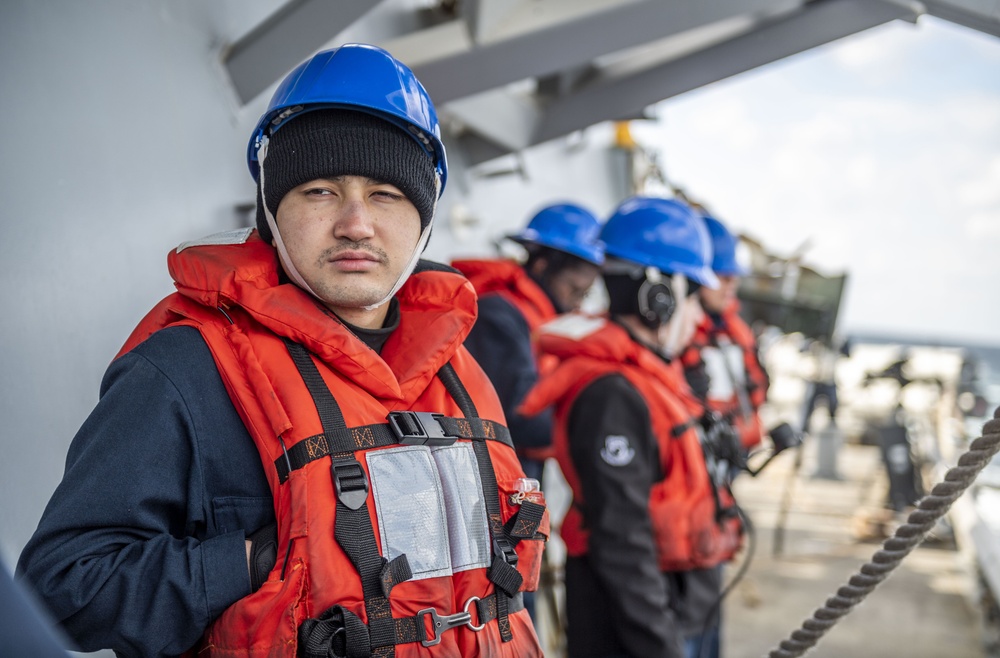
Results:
286 261
670 346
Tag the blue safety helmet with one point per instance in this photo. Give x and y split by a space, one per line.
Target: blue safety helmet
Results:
663 233
355 77
723 249
566 227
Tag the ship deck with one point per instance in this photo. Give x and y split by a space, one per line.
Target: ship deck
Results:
924 609
833 525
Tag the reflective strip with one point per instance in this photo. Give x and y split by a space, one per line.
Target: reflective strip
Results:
410 506
721 374
468 527
236 236
430 507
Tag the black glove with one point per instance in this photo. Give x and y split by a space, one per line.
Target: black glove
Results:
263 554
722 441
784 437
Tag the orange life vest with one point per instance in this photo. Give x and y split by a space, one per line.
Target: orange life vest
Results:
739 388
693 519
508 280
357 530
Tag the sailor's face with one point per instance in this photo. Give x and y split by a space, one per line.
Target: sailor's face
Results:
679 331
716 301
350 238
570 285
693 316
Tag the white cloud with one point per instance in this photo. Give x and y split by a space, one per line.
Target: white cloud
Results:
984 189
860 52
983 225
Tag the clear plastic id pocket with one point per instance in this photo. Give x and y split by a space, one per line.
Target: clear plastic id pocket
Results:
429 503
531 530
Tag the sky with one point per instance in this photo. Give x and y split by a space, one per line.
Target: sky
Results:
880 153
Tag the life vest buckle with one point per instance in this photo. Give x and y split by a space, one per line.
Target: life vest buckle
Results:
442 623
503 548
349 481
419 428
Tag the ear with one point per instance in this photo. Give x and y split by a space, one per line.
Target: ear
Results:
539 267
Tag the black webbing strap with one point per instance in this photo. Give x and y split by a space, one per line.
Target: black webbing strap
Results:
677 430
524 524
503 570
380 435
487 608
353 527
336 632
342 631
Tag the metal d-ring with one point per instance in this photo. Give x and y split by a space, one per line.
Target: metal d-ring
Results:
474 599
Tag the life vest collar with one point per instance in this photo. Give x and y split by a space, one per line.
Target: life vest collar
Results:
439 306
508 278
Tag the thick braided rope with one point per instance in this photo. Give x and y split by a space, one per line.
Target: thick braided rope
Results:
930 508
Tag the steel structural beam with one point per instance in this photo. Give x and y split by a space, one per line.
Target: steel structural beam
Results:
812 25
483 15
982 15
284 39
573 44
504 119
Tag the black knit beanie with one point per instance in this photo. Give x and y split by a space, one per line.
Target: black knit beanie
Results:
623 293
330 143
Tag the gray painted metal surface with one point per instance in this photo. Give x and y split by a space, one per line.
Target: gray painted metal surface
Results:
571 44
285 38
813 25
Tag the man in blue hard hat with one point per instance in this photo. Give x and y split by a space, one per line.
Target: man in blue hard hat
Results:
293 455
723 363
563 260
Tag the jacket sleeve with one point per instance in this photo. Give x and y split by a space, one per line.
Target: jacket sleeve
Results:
120 556
616 457
501 342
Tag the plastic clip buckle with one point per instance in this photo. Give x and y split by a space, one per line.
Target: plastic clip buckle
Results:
418 428
503 547
350 482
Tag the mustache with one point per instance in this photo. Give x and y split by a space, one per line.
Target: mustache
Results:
352 245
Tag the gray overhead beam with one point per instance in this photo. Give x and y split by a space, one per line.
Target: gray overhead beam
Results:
977 15
483 15
285 38
572 44
813 25
507 120
474 149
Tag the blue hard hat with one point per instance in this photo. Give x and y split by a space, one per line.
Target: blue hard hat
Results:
723 249
663 233
355 77
566 227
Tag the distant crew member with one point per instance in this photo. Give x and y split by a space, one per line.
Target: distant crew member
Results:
564 258
650 519
723 363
